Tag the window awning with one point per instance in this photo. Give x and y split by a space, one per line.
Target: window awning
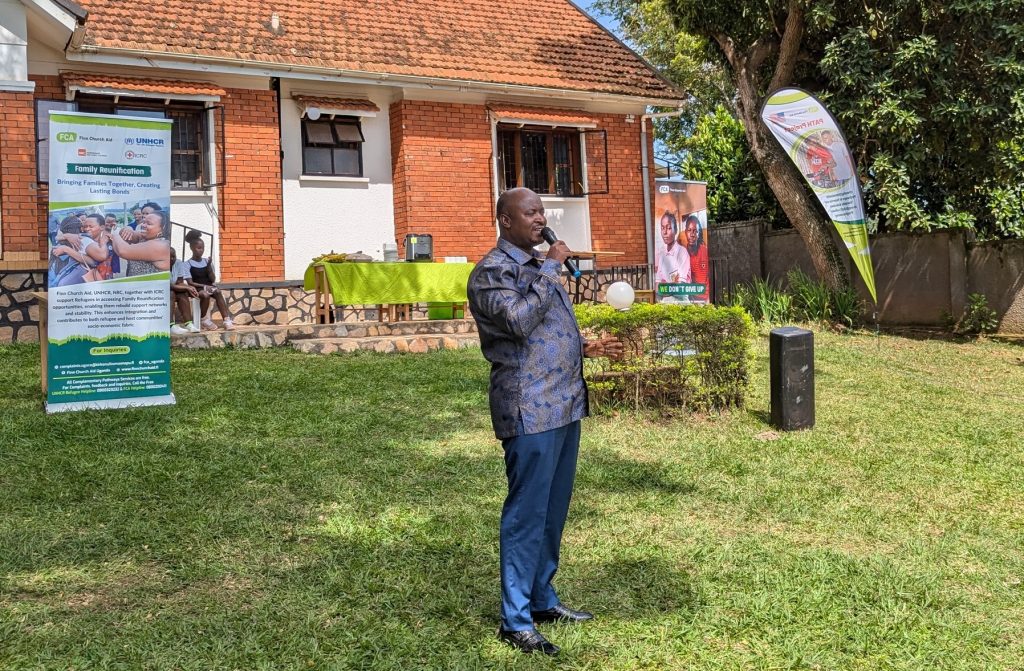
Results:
526 116
139 87
336 106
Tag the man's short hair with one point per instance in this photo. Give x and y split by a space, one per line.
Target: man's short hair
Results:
505 200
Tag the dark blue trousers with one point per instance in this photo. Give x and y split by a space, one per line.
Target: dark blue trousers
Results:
541 468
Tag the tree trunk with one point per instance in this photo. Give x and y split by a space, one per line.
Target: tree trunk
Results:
781 175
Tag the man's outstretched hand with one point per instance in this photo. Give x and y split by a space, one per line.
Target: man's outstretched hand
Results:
610 347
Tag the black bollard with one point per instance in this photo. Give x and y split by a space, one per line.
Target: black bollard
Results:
791 363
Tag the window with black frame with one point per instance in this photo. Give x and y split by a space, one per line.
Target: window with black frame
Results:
546 160
332 147
189 162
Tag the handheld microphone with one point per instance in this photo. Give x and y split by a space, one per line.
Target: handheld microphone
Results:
551 238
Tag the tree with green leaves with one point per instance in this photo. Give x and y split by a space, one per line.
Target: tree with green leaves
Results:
930 94
716 152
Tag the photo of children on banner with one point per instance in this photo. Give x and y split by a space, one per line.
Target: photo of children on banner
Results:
682 256
825 162
694 238
672 263
108 242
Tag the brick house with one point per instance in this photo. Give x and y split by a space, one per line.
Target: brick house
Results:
303 127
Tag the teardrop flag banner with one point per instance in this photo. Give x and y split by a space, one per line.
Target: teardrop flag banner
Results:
811 137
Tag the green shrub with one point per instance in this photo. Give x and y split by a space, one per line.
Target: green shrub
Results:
978 317
847 307
813 300
764 301
806 300
692 356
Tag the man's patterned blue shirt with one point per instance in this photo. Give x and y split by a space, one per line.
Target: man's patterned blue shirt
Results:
528 332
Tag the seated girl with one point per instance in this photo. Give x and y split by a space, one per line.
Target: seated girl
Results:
204 278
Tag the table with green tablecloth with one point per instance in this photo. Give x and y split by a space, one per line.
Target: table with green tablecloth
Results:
387 283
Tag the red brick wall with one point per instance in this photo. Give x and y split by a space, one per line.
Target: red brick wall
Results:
399 176
251 222
441 166
617 219
24 202
20 219
251 214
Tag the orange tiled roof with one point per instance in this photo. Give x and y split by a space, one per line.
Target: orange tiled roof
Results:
145 85
519 113
534 43
360 104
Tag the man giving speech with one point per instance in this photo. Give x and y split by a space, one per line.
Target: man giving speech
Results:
528 332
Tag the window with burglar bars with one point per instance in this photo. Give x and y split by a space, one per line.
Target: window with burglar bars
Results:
546 160
189 161
187 139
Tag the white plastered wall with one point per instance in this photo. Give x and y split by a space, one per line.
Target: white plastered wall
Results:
342 214
13 40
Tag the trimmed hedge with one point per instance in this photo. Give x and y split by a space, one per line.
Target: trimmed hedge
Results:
691 356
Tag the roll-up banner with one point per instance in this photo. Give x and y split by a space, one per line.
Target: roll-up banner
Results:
810 135
681 265
108 277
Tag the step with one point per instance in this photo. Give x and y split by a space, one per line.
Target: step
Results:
395 343
257 336
243 337
381 329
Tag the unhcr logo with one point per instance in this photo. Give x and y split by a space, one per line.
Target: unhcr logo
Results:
144 141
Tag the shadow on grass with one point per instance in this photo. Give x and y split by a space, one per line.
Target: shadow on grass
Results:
762 416
606 472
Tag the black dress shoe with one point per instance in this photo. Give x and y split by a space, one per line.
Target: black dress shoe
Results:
561 614
529 640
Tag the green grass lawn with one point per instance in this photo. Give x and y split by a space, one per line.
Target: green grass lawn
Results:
303 512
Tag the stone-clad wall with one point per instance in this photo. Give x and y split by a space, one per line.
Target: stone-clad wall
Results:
277 303
269 305
19 311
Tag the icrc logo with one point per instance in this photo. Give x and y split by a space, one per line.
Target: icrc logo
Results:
131 155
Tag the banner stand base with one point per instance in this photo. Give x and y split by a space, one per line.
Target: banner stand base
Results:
140 402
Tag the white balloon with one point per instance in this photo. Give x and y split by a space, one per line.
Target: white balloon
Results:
312 113
620 295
